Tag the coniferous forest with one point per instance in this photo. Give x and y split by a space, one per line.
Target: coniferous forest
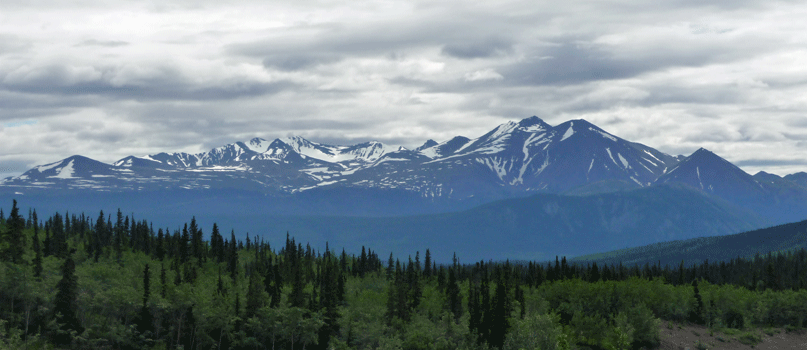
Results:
112 281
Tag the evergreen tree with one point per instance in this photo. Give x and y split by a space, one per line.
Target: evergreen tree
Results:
220 284
278 282
254 294
696 315
237 310
65 305
160 245
232 254
98 236
196 240
500 321
14 236
162 280
521 302
297 296
118 238
146 320
487 316
595 272
453 296
183 244
216 244
474 310
37 251
390 267
427 264
415 288
771 277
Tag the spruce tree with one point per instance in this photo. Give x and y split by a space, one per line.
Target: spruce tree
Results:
196 240
415 288
474 310
254 294
486 322
696 315
183 244
500 322
278 282
98 236
162 280
427 264
269 282
37 252
146 321
217 244
15 238
118 241
159 250
390 267
65 305
220 285
232 254
595 273
453 296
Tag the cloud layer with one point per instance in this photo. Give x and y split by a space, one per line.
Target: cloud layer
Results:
109 79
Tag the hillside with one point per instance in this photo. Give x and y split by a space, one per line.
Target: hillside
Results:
538 227
724 248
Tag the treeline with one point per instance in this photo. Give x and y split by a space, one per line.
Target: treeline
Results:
114 283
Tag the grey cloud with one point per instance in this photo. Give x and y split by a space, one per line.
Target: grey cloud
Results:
710 134
294 62
481 49
769 162
13 166
570 64
103 43
13 44
171 85
694 94
795 136
385 38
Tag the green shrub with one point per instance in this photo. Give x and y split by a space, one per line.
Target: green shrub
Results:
534 332
749 338
645 326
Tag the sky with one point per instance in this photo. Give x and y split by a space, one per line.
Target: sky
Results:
108 79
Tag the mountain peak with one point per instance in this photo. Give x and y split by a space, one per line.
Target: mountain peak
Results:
426 145
257 144
533 123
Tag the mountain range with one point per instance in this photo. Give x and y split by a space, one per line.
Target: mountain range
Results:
371 182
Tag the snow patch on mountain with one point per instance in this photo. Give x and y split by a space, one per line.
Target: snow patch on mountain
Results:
623 160
569 132
65 172
604 134
46 167
611 155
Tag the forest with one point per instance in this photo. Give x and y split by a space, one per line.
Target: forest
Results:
111 281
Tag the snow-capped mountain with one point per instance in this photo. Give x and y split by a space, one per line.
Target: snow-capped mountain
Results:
710 173
513 159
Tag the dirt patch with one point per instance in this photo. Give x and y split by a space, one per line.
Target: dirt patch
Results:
694 337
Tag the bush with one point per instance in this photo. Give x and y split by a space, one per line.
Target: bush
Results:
645 326
534 332
749 338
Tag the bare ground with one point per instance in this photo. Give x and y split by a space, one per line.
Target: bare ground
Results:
688 337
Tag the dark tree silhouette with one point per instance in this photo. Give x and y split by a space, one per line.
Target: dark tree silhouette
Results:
65 305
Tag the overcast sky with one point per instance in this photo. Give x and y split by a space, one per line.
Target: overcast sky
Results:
107 79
